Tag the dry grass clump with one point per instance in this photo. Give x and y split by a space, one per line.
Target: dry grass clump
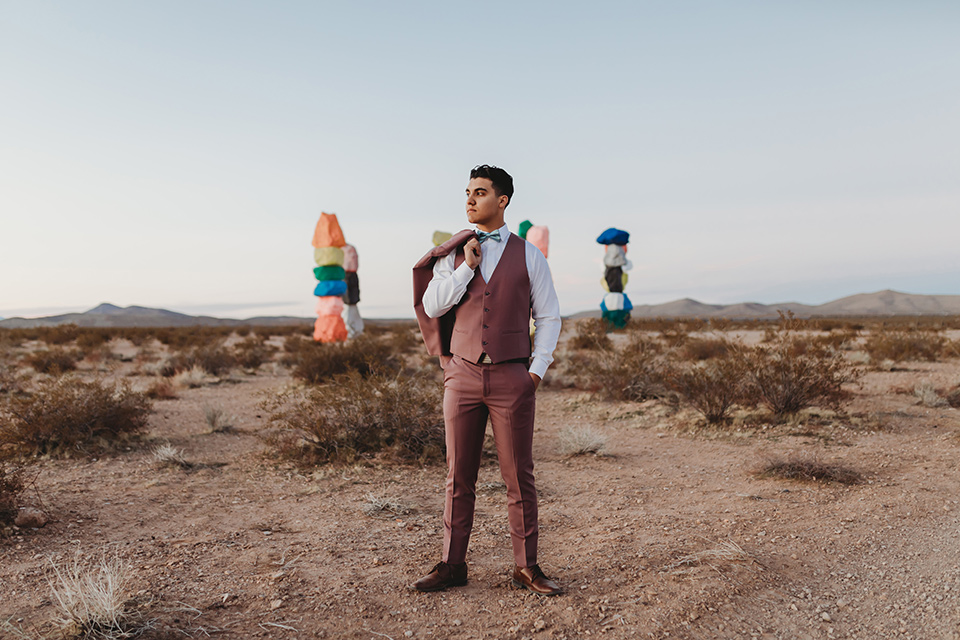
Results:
927 396
580 440
316 362
217 419
166 455
53 361
632 373
92 601
68 414
190 378
726 551
378 505
11 486
591 335
902 345
356 415
808 468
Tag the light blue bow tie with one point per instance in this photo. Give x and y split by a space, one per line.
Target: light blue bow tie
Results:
484 236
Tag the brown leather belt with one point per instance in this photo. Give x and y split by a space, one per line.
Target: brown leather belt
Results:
485 359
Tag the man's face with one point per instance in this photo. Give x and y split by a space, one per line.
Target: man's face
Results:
484 206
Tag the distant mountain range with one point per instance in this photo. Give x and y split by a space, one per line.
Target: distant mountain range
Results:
108 315
881 303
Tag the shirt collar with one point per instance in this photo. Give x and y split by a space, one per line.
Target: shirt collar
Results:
504 232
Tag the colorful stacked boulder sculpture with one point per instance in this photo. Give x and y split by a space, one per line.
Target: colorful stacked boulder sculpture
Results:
616 306
351 297
537 235
439 237
328 253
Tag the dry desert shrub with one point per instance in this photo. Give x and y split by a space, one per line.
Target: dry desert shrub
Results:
161 390
11 380
714 386
213 358
900 346
402 338
580 440
953 397
90 338
356 415
317 362
634 372
11 486
253 351
791 372
67 414
11 339
705 348
92 599
191 337
808 468
58 334
53 361
591 335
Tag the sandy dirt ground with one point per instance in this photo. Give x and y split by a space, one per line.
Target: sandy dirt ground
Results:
667 534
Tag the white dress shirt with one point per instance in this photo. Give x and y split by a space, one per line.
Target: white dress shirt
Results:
448 285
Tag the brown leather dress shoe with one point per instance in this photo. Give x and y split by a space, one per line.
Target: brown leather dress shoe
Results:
532 578
443 575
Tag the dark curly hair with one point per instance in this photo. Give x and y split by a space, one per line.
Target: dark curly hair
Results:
502 182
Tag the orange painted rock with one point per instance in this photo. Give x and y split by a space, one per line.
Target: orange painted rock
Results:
328 233
329 329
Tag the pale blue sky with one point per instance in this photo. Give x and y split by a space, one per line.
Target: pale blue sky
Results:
178 154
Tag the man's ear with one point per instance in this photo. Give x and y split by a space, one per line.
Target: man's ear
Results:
504 201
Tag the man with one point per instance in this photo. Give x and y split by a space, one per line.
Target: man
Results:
475 313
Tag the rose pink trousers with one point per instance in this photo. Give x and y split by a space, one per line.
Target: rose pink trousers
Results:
506 394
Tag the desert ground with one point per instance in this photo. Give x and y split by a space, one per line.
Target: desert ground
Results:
667 532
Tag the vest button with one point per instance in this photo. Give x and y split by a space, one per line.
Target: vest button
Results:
487 310
486 293
484 343
485 327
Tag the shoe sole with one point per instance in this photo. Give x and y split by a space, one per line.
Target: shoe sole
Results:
520 585
443 588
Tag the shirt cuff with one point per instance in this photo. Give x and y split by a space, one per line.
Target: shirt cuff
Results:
463 274
538 367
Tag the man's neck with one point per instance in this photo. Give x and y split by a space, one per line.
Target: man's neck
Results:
493 226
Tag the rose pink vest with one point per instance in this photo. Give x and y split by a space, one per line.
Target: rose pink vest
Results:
494 317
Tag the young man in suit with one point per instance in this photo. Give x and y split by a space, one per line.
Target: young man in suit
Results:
475 314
